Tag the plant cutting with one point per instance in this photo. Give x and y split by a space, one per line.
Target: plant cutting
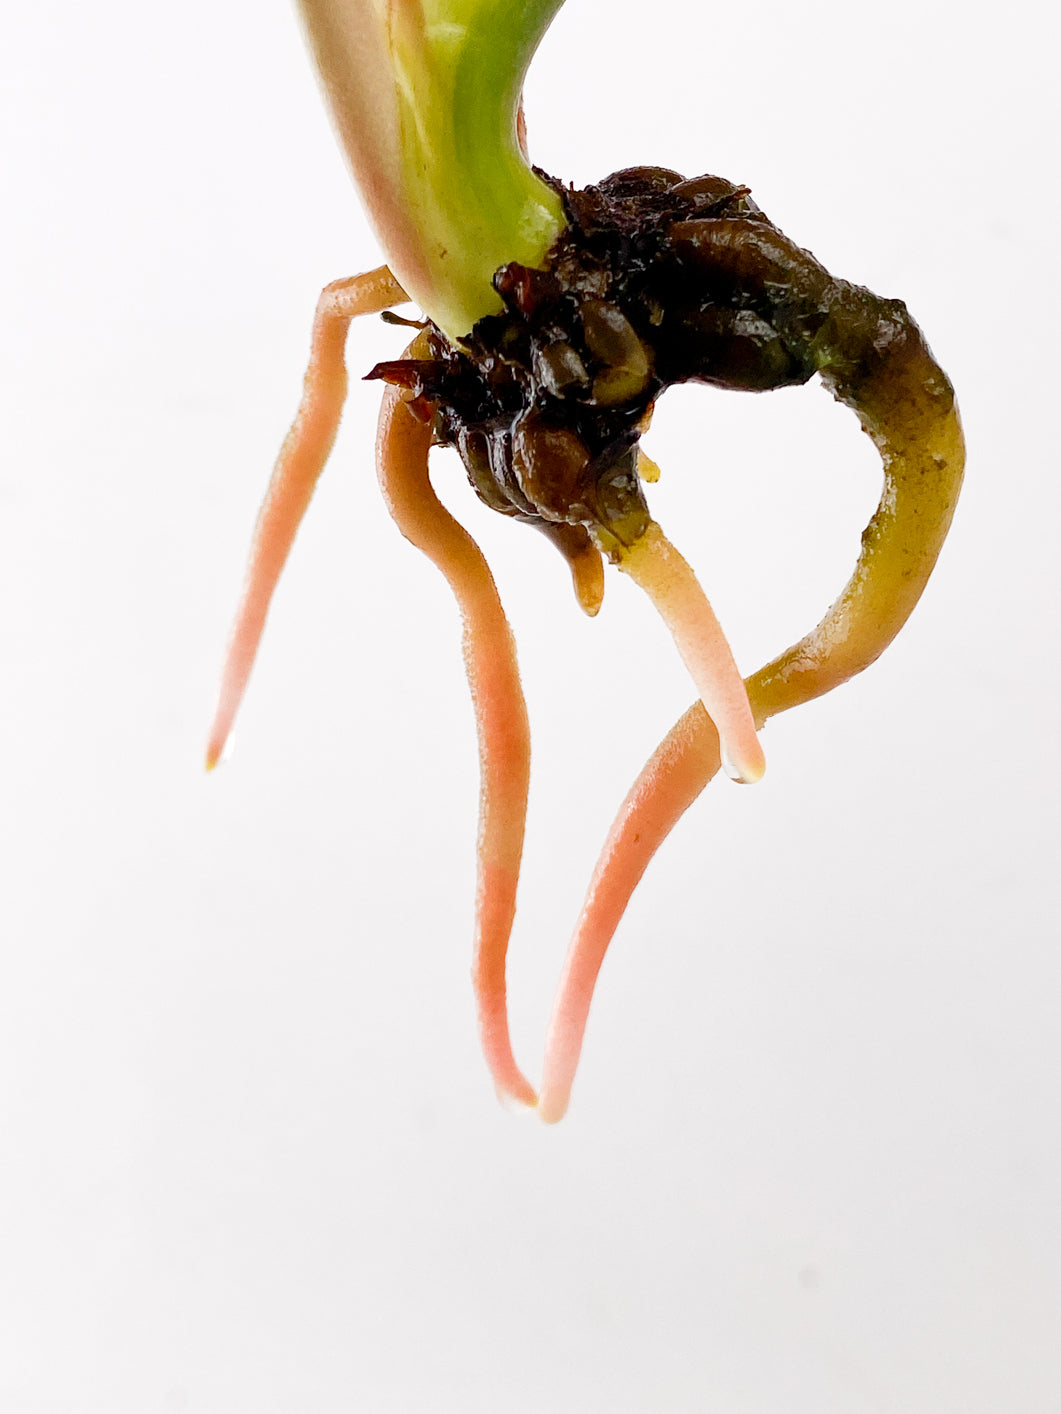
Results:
552 321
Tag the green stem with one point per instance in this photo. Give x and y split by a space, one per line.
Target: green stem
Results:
424 95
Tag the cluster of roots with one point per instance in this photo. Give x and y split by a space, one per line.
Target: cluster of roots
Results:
656 280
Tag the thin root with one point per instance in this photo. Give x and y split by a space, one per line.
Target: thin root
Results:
655 566
500 716
298 467
681 767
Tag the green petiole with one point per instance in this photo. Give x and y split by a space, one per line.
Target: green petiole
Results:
425 98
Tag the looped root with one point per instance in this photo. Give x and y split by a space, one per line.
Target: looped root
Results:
908 408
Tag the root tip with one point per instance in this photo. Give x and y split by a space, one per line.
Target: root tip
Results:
748 768
517 1096
218 750
552 1107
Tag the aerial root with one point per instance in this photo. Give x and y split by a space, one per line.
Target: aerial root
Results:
681 767
298 467
667 578
500 716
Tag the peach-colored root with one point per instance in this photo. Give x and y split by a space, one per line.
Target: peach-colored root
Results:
922 478
298 467
681 767
667 578
500 714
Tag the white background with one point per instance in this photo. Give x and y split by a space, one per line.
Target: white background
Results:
250 1159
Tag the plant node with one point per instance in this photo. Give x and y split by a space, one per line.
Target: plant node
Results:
655 280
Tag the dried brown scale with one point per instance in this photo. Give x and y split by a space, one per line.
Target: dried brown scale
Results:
656 280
